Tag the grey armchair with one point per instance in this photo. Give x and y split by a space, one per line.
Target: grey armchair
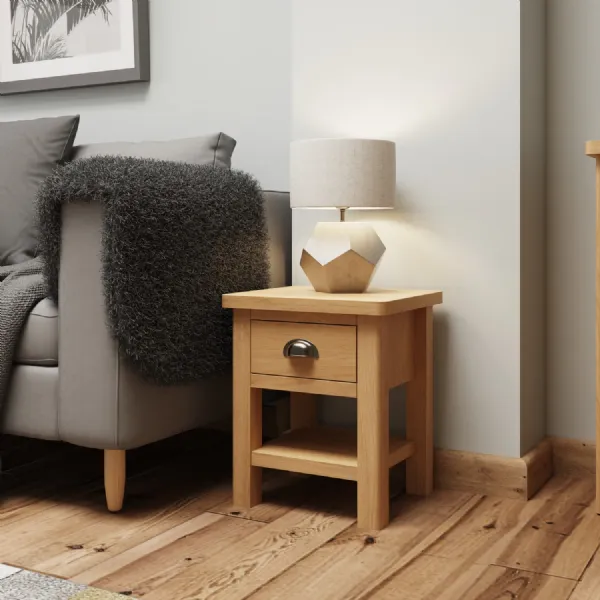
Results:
69 382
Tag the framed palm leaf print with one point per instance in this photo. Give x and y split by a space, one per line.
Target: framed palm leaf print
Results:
57 44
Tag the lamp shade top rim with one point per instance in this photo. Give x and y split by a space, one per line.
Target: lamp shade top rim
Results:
342 140
334 207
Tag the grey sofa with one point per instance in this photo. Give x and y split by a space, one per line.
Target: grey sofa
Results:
69 382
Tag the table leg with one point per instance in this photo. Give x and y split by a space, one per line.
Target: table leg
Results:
373 428
597 335
247 418
303 410
419 407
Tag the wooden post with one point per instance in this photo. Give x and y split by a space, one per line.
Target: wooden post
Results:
247 418
373 428
419 407
593 149
597 333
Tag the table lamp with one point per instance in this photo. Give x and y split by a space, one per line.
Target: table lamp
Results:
343 174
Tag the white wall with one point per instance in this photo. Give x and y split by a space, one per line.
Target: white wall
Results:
573 118
442 79
215 66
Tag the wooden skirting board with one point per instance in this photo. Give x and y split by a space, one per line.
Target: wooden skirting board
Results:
495 475
514 477
573 455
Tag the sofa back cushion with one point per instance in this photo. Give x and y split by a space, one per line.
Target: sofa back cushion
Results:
29 151
213 149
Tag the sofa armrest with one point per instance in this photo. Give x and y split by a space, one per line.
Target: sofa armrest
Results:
102 403
87 355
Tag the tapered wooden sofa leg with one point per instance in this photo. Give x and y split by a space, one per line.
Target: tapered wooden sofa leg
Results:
114 478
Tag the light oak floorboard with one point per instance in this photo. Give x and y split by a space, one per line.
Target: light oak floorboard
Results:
70 538
433 578
26 492
119 537
282 492
354 564
145 550
556 533
589 586
176 538
176 562
247 566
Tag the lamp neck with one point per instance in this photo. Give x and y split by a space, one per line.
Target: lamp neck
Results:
343 213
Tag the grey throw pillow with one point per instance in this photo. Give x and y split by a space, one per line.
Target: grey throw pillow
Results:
213 149
29 152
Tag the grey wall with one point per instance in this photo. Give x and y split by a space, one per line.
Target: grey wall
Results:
533 219
573 118
221 65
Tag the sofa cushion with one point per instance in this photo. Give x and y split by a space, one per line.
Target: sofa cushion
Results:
39 340
29 151
216 149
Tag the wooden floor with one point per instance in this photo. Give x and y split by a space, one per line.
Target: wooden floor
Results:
178 537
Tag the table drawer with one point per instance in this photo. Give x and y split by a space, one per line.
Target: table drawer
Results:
335 345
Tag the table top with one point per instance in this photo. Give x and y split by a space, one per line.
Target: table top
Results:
592 148
374 302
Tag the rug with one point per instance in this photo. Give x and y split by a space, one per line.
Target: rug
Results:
20 584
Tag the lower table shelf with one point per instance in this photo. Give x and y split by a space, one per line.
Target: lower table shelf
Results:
322 451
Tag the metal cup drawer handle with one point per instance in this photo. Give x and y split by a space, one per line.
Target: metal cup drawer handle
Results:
300 349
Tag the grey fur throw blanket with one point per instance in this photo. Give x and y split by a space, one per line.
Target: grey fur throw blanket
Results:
175 238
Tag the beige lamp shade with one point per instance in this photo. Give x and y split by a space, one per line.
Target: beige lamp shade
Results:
343 173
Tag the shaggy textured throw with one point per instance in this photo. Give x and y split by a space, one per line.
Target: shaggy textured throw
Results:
176 237
21 288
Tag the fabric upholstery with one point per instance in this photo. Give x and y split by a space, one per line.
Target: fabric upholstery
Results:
213 149
103 404
279 225
39 340
29 151
98 401
31 408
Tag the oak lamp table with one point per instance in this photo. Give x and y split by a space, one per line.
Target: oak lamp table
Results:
351 345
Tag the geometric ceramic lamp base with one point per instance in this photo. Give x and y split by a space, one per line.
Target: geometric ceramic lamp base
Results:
341 258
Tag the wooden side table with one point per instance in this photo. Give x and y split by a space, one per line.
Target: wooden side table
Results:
351 345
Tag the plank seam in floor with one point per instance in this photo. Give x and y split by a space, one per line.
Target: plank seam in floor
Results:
527 571
587 566
212 512
431 539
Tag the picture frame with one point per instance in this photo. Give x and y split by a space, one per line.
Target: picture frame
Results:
63 44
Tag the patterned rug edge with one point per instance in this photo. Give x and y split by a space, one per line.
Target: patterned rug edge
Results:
16 582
